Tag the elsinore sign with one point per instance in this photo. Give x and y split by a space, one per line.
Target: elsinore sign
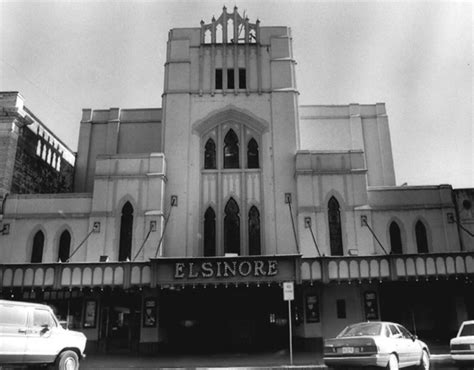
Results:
215 270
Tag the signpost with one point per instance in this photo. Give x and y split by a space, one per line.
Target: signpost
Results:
289 295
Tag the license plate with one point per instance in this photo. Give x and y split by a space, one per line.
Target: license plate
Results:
347 349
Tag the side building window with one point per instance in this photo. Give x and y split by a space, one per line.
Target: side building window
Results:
232 227
252 154
126 229
335 231
231 150
209 233
421 237
210 155
64 246
395 239
37 250
254 232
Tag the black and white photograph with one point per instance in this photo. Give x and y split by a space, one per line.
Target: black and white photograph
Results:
255 185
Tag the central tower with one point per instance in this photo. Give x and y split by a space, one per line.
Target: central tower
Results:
230 136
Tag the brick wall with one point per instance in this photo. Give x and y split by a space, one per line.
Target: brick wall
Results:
37 172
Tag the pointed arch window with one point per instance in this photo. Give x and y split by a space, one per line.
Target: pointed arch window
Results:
395 238
231 150
335 232
231 227
252 154
421 237
209 233
254 232
64 246
37 250
210 155
126 229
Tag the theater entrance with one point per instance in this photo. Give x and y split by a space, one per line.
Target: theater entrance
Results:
220 319
120 323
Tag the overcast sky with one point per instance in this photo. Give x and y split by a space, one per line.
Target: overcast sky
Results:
414 56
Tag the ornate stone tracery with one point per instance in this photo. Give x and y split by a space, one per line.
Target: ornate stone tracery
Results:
230 28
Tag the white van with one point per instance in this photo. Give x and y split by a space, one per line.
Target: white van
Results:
30 333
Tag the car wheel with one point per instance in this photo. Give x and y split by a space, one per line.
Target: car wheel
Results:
67 360
425 361
392 362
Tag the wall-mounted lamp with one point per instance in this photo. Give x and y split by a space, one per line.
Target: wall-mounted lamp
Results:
307 222
5 230
153 225
96 227
450 218
174 201
287 198
363 220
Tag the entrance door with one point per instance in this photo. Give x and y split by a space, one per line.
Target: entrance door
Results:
224 319
120 323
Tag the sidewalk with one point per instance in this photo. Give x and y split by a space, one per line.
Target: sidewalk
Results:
274 360
260 361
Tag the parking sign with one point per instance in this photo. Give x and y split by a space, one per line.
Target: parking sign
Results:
288 291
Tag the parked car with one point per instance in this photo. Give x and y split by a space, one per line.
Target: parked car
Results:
462 346
382 344
31 334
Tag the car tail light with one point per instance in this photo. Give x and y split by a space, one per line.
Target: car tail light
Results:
329 349
460 347
368 349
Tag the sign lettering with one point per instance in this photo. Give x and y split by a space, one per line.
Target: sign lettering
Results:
219 269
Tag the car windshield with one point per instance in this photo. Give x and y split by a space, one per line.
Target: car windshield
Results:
370 328
467 330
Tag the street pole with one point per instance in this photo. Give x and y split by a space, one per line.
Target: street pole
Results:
289 295
290 333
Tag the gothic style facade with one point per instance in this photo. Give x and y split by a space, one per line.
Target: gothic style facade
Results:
186 220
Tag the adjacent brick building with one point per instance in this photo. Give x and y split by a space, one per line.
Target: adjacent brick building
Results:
32 158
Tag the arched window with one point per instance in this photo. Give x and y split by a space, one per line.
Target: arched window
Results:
231 150
254 232
210 155
64 246
126 228
231 227
37 250
252 154
421 237
335 233
395 239
209 233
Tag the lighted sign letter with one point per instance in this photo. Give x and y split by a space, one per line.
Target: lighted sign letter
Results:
259 269
228 268
272 268
207 271
247 270
192 274
178 270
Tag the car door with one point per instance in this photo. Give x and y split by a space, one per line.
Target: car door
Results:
13 321
412 346
399 344
41 346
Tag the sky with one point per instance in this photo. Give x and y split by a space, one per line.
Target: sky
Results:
414 56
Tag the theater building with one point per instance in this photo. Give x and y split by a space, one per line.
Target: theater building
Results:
185 220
